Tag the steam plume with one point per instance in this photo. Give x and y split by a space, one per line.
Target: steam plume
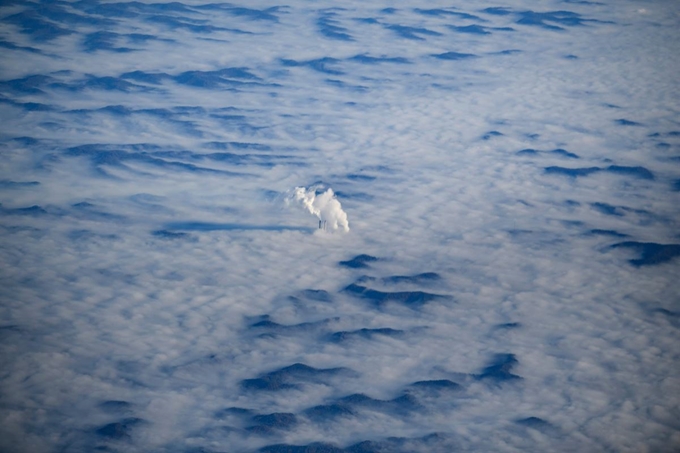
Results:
323 205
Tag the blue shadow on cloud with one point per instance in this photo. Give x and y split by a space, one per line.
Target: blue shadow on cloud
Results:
564 153
434 387
366 20
453 56
676 186
612 233
527 152
539 19
558 152
31 84
509 52
104 40
266 383
439 12
625 122
154 78
326 412
290 376
115 110
11 46
607 209
165 234
28 106
341 84
434 442
269 423
115 406
360 177
508 326
101 155
500 369
318 295
491 134
359 261
573 172
412 32
267 160
271 327
208 226
338 337
106 84
236 145
497 11
141 38
133 9
366 59
237 76
637 172
478 29
353 195
315 447
471 29
411 299
217 79
651 253
229 412
533 422
119 430
349 406
34 210
582 2
425 277
195 26
545 20
320 64
91 212
17 184
398 405
329 28
242 12
39 29
671 316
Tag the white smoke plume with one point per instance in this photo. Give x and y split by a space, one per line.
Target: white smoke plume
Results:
323 205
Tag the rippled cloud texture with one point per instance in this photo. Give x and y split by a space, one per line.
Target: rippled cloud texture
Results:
511 171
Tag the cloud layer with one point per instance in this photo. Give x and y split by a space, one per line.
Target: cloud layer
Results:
508 284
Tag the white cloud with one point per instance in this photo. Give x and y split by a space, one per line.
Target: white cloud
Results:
325 206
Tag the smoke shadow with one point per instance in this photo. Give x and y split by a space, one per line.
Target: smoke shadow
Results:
208 226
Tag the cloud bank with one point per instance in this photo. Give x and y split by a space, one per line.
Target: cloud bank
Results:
511 171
